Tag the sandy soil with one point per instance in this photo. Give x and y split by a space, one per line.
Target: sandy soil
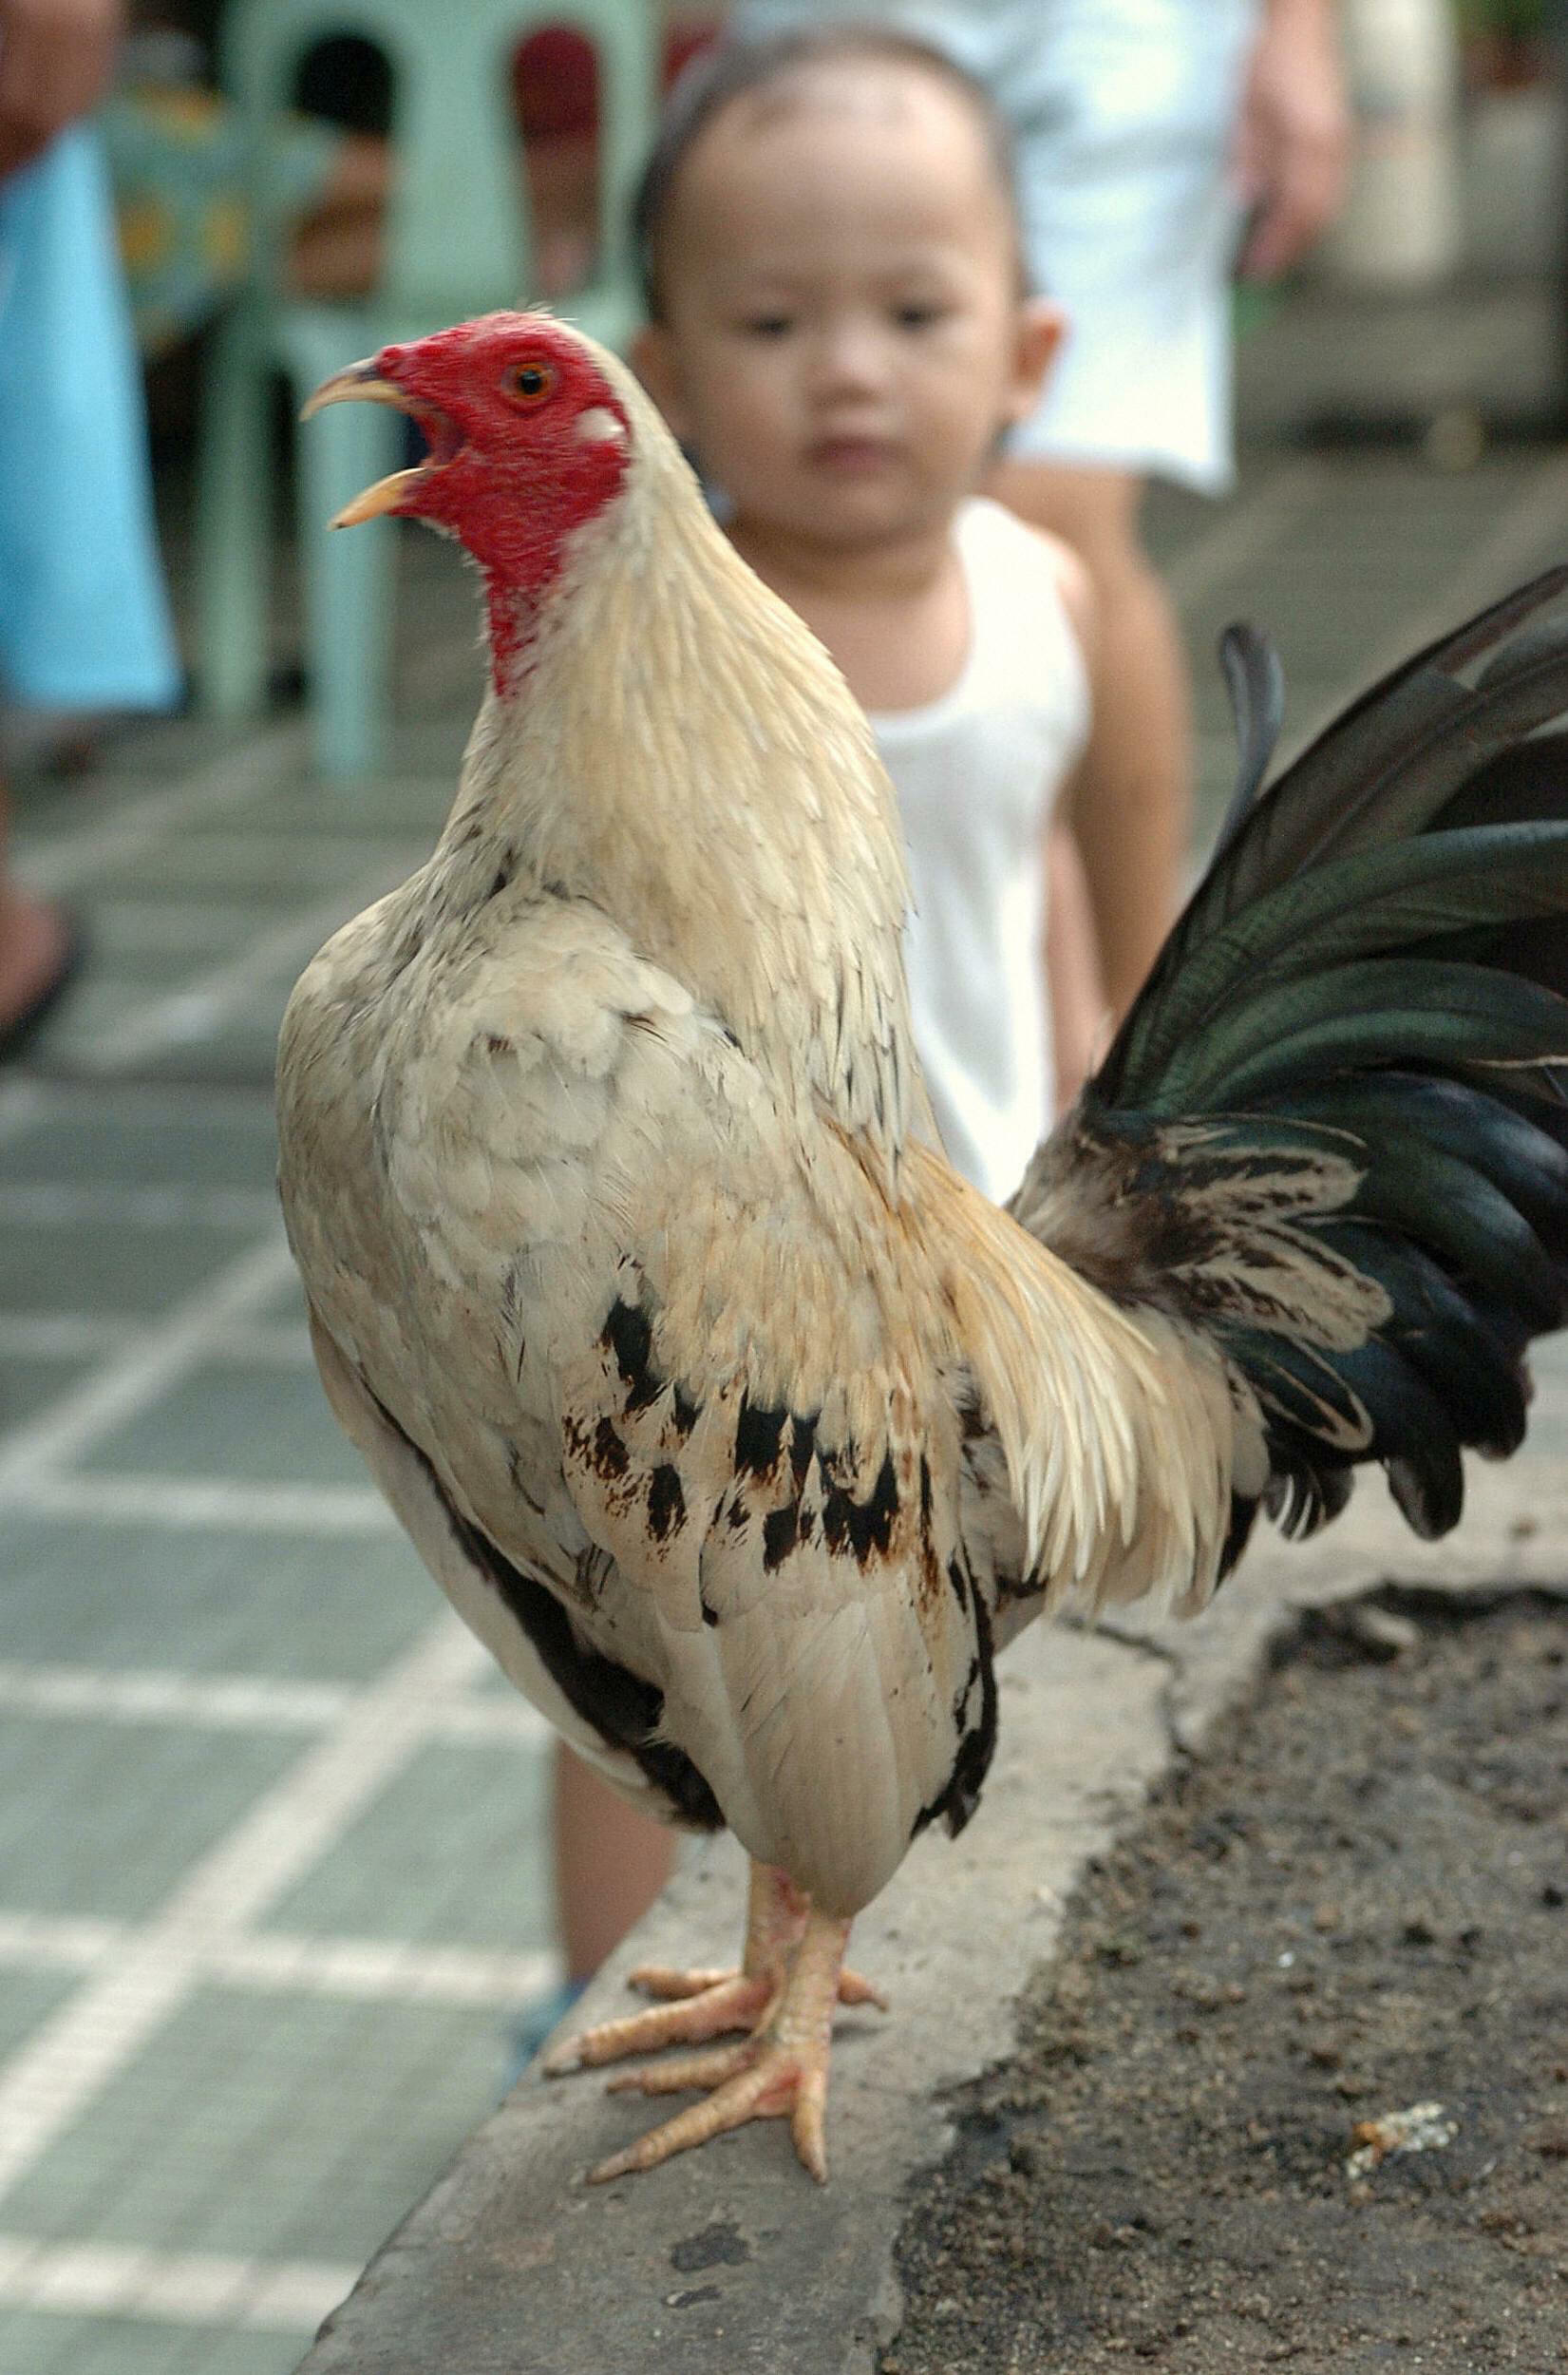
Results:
1354 1907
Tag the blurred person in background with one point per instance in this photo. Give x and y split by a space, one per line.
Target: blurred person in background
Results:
84 618
1161 145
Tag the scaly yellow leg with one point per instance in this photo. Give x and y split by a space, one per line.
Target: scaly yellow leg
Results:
701 2005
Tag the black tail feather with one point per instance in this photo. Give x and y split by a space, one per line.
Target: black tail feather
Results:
1332 1132
1255 683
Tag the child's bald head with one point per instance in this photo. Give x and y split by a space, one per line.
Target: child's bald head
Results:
855 73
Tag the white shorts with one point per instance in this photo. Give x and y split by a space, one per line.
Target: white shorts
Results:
1123 112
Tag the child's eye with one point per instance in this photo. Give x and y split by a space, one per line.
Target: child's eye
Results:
916 317
767 325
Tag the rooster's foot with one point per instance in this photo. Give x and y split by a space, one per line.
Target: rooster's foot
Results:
693 2006
704 2006
755 2082
781 2067
657 1979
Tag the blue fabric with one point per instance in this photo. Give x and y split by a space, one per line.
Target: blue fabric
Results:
84 617
535 2022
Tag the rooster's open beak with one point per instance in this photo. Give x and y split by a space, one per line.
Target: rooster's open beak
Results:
364 382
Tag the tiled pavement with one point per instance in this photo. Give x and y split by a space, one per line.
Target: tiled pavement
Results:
271 1866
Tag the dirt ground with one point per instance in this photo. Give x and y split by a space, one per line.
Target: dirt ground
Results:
1356 1905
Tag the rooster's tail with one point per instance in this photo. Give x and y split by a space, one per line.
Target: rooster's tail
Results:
1331 1136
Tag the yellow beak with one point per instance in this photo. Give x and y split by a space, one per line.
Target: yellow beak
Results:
362 382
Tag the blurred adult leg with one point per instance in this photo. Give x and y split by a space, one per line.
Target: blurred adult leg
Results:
611 1863
34 944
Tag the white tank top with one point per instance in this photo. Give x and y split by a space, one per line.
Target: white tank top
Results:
978 773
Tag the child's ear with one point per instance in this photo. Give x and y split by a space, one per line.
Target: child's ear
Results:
651 354
1041 327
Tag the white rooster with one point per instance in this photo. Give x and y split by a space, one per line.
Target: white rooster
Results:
741 1430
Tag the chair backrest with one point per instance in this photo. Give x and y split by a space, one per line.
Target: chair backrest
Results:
458 235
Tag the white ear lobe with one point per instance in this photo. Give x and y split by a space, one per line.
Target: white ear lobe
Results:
599 427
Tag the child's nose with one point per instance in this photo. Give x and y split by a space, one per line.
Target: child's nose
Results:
850 355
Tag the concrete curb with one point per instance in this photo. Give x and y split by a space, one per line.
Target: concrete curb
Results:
730 2259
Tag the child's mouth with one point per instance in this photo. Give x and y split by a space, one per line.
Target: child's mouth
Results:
852 457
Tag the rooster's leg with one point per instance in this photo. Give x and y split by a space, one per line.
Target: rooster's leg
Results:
781 2067
700 2004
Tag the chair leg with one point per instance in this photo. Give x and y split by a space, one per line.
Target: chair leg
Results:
234 530
348 584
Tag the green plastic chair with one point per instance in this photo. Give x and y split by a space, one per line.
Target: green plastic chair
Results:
457 243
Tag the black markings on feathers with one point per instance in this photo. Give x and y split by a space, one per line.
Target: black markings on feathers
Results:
520 1486
977 1731
758 1435
777 1457
621 1707
665 1503
627 1335
609 1454
781 1530
862 1527
858 1529
765 1437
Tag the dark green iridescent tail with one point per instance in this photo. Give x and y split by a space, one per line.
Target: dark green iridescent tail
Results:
1332 1132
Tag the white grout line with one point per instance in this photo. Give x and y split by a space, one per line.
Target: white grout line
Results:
378 1971
227 782
181 1502
49 1942
387 1971
62 1336
83 1336
268 1343
508 1719
75 2051
147 1102
70 1204
177 2288
216 1702
134 1377
196 1012
243 1701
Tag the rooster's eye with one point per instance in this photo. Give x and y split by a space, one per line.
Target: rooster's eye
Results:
528 383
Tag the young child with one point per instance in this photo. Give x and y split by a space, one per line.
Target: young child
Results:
840 332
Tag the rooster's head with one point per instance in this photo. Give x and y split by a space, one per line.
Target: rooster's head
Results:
528 440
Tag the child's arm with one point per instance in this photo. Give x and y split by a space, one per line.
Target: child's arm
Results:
1079 1012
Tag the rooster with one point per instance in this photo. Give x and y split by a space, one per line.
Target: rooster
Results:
742 1431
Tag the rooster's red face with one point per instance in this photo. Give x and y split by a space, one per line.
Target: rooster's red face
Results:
528 441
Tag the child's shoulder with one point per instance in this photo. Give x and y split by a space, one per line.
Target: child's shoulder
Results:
994 538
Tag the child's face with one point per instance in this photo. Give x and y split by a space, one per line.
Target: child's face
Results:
844 338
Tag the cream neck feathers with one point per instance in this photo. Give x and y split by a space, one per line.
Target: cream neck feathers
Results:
680 751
